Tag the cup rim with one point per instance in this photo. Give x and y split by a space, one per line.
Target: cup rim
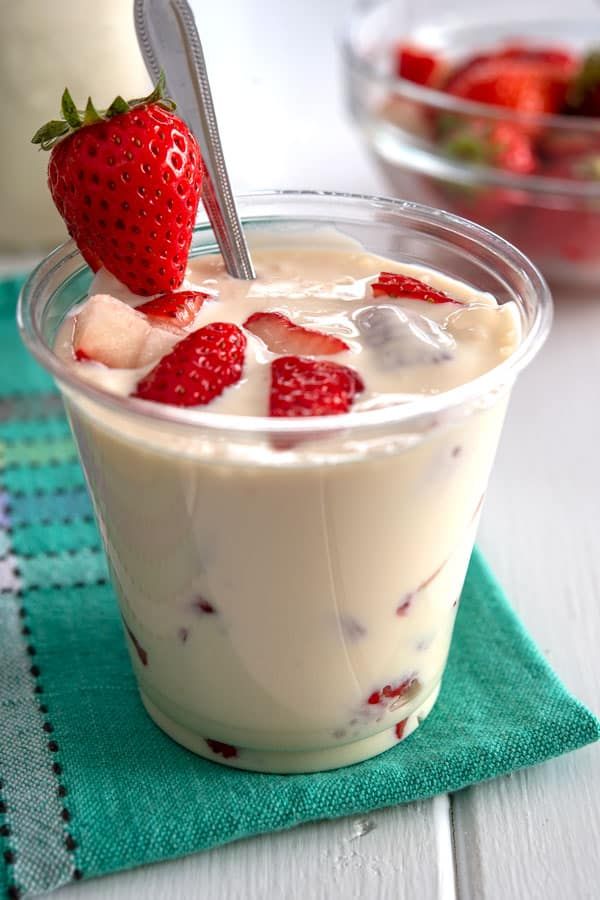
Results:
357 421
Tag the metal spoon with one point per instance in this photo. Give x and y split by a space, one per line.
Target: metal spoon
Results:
169 40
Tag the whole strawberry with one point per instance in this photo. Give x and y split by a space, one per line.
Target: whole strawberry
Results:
127 183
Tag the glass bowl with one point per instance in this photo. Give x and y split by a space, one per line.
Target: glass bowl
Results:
552 215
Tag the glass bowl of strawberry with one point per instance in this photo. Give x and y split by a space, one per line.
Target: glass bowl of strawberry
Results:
497 121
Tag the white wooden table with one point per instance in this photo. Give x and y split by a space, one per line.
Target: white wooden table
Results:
531 836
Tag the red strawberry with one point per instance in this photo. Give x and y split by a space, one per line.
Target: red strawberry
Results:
311 387
127 183
505 145
418 65
225 750
391 692
553 55
281 335
177 308
512 149
392 284
198 368
532 86
399 729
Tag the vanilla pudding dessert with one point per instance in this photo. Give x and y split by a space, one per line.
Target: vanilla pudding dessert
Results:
295 612
287 472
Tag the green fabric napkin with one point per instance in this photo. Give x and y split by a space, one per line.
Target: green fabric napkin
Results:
89 785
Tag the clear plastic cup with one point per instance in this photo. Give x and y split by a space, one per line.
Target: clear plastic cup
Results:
289 587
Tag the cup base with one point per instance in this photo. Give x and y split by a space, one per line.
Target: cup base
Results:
286 762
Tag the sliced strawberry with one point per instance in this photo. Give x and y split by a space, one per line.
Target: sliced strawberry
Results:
502 144
418 65
281 335
228 751
399 729
555 56
532 86
391 691
198 368
311 387
513 149
113 333
177 308
392 284
461 70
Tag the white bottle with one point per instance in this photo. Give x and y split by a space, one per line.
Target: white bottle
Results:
89 46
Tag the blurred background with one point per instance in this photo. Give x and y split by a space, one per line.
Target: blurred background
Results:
303 91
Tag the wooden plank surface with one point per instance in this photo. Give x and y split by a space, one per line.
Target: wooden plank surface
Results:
537 834
395 854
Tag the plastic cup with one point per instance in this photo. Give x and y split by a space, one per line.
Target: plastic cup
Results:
288 587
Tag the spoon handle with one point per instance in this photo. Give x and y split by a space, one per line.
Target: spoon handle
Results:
169 40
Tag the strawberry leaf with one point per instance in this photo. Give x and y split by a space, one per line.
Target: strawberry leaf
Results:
69 110
468 146
53 131
49 133
117 107
158 95
91 114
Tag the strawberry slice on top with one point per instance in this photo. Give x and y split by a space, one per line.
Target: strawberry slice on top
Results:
392 284
198 368
281 335
311 387
176 309
127 182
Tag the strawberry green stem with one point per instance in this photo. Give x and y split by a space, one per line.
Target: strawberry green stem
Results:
73 118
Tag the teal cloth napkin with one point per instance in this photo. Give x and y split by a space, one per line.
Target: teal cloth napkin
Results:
89 785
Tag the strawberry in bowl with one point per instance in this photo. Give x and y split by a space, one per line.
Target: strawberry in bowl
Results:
486 123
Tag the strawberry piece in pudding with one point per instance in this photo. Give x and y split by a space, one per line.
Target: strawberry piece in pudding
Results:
176 309
393 284
281 335
310 387
111 332
199 367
